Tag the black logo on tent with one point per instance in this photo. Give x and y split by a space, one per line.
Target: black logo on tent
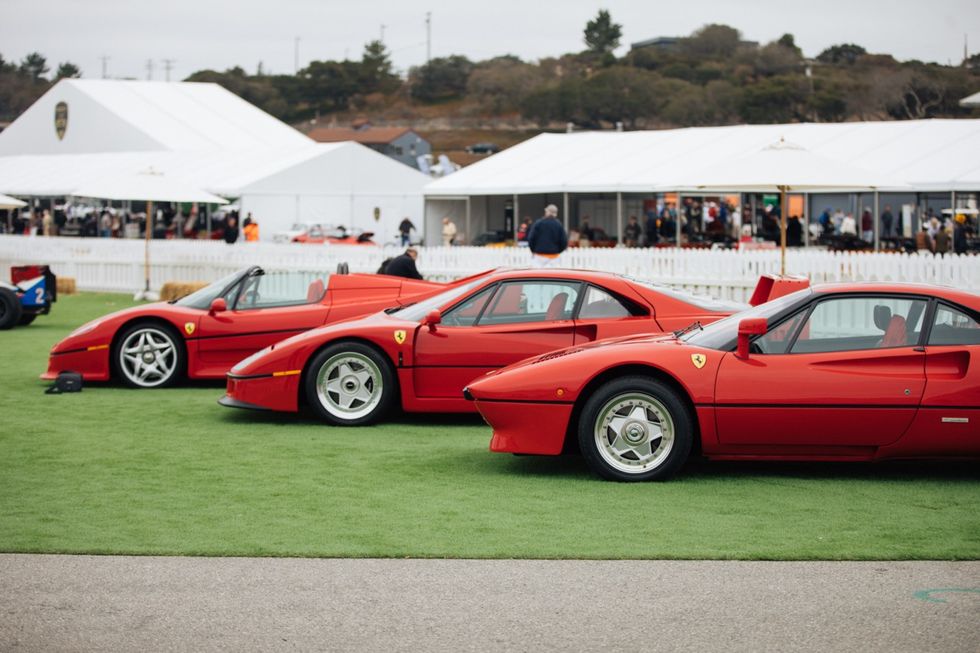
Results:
61 119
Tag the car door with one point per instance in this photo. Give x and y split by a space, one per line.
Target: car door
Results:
261 311
494 327
846 371
603 314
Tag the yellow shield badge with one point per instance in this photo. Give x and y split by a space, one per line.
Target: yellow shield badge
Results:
189 327
400 336
699 360
60 119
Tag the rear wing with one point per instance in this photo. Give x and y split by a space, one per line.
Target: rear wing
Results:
772 286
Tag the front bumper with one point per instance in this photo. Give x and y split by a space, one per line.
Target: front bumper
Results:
262 393
526 427
92 363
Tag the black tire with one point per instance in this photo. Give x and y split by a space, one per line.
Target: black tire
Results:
354 374
26 318
10 309
143 345
643 407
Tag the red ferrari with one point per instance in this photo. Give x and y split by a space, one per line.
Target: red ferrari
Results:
840 372
203 334
423 355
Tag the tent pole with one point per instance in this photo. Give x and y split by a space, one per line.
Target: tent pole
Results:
517 212
782 230
806 219
677 219
874 221
619 218
468 234
564 210
146 252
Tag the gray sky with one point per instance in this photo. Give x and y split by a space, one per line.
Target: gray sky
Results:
199 34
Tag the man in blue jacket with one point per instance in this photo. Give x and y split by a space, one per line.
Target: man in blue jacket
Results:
547 238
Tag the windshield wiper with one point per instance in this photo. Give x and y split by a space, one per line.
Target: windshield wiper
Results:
688 329
392 309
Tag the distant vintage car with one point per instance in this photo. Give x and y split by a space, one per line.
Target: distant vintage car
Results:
33 290
334 235
420 357
483 148
203 334
845 372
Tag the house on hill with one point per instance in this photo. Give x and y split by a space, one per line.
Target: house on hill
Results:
400 143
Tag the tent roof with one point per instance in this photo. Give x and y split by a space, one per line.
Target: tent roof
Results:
324 169
116 115
924 154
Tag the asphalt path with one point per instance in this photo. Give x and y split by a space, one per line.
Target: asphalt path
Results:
121 603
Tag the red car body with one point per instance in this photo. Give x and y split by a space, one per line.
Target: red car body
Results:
211 341
429 352
845 372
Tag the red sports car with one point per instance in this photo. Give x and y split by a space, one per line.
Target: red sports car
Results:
840 372
423 355
203 334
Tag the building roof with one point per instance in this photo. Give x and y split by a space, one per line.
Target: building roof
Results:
369 135
924 154
120 116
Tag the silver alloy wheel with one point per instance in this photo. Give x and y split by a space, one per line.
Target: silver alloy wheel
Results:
634 433
349 385
148 357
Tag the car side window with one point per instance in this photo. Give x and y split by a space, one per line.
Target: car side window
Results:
598 303
517 302
778 339
954 327
466 313
278 290
855 323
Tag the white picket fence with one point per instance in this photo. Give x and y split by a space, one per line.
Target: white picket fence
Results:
117 264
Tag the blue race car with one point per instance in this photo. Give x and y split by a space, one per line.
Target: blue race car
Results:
31 294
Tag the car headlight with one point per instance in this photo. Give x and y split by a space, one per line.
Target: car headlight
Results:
245 362
85 328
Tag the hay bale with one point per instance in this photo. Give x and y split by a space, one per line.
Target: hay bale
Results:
177 289
66 285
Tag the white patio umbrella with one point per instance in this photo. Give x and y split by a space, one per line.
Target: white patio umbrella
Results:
782 168
8 202
150 186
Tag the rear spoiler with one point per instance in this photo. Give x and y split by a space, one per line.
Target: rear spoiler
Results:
771 286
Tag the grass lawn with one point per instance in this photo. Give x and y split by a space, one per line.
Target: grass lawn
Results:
112 470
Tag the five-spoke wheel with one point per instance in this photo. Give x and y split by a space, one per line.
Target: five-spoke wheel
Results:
349 384
148 356
635 429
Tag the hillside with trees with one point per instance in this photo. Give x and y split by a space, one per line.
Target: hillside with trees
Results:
710 77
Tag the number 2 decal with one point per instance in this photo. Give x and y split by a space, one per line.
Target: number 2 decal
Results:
40 296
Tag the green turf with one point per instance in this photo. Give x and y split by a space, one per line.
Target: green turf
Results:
112 470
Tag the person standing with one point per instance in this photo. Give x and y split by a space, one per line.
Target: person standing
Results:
887 222
547 238
47 223
403 265
631 234
959 235
448 232
942 241
651 229
867 226
405 231
522 232
251 229
230 233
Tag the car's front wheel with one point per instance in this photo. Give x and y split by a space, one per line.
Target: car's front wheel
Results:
635 429
10 310
148 355
350 384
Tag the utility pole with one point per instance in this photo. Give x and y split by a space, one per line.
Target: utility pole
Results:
296 57
428 36
168 64
105 66
149 69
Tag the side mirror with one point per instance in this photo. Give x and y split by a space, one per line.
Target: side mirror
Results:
750 326
218 305
432 319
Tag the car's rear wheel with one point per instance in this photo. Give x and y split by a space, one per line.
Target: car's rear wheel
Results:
10 309
635 429
350 384
148 355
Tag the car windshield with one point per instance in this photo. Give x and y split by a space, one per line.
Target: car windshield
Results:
202 298
704 302
416 312
721 335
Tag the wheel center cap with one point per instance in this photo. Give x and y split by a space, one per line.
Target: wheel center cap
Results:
635 433
148 357
350 384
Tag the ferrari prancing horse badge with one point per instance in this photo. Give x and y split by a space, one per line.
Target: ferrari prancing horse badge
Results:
699 360
189 327
400 336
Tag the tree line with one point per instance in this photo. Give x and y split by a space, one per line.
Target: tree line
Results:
710 77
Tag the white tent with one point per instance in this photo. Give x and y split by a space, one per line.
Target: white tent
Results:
7 202
207 137
923 155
